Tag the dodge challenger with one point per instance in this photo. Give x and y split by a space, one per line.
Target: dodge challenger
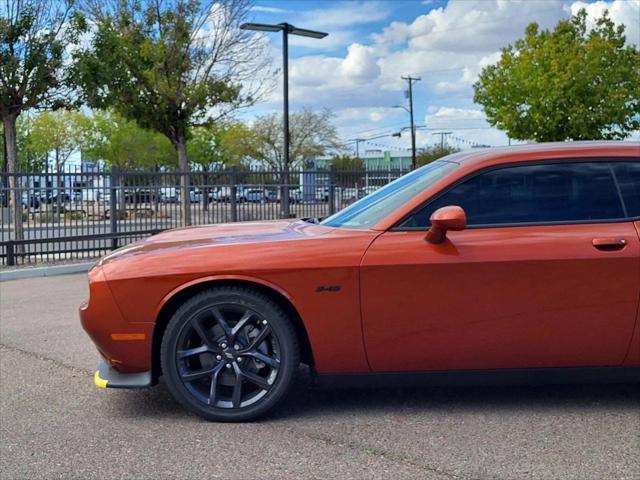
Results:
517 264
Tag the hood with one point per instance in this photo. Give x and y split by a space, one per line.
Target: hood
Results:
221 234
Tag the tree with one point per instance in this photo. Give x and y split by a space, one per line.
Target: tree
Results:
170 66
34 36
123 143
569 83
229 143
28 160
311 134
431 154
58 132
348 170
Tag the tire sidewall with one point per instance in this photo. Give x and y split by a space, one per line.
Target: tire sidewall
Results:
282 329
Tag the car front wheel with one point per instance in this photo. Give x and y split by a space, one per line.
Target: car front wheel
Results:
229 354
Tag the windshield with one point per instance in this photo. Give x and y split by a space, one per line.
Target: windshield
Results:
369 210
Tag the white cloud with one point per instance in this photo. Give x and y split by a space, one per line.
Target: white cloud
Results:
446 46
263 9
360 62
346 14
339 21
333 41
447 117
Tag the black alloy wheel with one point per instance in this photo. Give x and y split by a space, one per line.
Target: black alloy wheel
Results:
229 354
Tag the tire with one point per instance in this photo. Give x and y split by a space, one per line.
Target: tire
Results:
225 336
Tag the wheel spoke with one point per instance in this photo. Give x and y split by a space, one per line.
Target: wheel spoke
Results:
194 375
213 390
222 322
236 396
193 351
237 328
272 362
259 381
204 334
259 339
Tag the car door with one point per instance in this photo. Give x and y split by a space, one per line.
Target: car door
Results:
547 274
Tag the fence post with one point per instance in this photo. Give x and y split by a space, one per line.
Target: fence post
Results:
113 202
233 194
11 258
332 190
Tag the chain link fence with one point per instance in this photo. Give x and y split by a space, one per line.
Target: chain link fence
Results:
86 213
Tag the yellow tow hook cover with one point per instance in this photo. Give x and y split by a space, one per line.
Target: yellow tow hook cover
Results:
99 381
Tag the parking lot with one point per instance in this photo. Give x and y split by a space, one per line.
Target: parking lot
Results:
55 424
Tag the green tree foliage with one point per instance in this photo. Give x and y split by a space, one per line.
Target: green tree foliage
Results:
311 134
57 133
222 144
170 66
34 36
569 83
28 161
430 154
347 162
123 143
349 170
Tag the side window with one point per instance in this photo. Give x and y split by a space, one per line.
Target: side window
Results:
628 176
546 193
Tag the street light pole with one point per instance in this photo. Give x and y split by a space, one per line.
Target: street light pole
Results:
286 29
284 199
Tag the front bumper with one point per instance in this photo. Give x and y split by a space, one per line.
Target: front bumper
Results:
107 377
125 346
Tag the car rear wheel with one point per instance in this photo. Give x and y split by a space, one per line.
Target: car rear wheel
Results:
229 354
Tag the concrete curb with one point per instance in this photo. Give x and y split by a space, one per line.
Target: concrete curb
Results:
48 271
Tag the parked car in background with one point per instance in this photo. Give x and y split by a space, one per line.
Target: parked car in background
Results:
257 195
195 195
52 195
30 201
350 195
169 195
172 195
222 194
369 190
505 265
295 195
322 194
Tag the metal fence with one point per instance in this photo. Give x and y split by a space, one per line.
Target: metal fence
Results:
86 213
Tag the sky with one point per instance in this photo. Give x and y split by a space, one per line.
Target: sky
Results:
356 70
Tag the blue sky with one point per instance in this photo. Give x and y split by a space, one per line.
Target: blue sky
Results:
356 70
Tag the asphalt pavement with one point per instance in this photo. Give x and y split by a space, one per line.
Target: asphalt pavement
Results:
55 424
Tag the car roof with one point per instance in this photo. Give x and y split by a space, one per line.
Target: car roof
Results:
536 151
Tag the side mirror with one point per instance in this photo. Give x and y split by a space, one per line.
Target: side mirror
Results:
446 218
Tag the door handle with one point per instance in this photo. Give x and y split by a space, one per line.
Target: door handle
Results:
609 243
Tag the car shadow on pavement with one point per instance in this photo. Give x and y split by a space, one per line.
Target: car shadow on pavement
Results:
307 401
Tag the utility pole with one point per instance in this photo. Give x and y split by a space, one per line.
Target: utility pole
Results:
411 80
443 135
358 140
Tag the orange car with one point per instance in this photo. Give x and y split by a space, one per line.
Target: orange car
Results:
508 264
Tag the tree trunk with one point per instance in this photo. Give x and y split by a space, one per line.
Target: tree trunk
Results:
15 201
185 183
